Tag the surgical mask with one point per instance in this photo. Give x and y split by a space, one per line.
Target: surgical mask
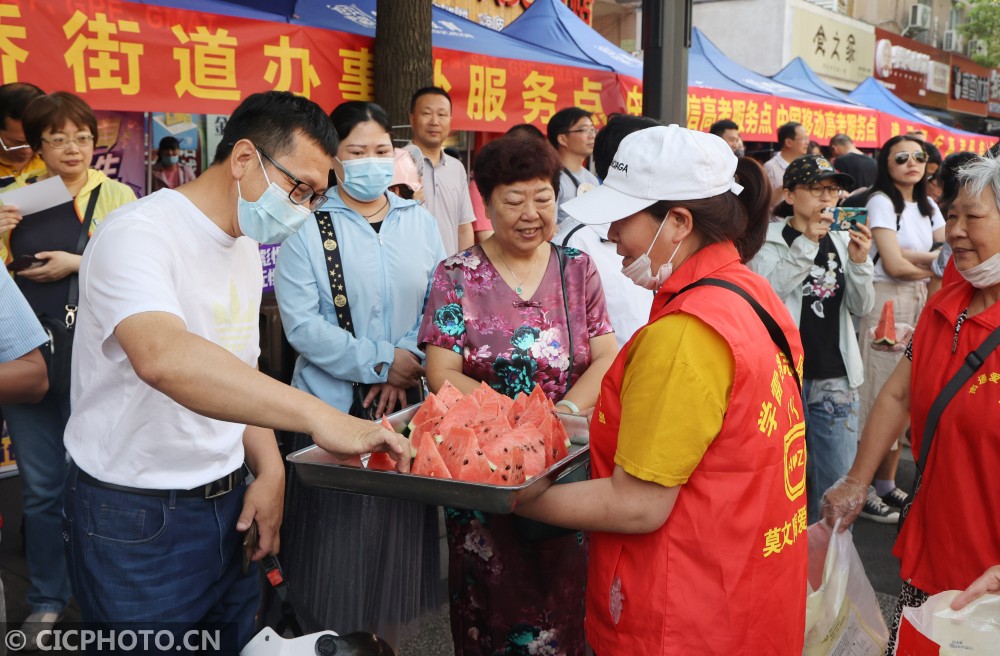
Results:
368 178
984 274
641 270
171 159
273 217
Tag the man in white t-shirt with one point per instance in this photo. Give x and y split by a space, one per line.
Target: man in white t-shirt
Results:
571 132
793 142
167 402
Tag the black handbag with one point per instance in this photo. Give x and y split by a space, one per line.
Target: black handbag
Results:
338 288
58 352
973 361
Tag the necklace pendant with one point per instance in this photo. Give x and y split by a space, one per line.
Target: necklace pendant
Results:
518 290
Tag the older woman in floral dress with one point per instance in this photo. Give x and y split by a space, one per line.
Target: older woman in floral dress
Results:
516 311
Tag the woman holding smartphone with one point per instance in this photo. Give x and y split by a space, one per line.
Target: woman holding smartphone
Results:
823 275
62 129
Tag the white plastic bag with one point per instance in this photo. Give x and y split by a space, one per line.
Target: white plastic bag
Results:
934 628
843 617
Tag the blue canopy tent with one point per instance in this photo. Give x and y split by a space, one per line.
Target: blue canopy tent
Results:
553 23
798 74
872 93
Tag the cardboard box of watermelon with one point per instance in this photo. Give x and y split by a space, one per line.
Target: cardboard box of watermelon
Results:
479 451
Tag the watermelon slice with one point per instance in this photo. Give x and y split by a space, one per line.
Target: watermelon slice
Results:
556 440
483 392
449 395
380 459
517 408
510 471
528 439
486 432
463 457
433 408
537 412
428 461
428 428
885 332
462 415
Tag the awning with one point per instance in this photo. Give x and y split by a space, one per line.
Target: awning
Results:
798 74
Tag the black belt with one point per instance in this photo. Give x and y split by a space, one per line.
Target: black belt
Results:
216 488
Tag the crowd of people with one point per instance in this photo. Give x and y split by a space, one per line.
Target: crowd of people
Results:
710 315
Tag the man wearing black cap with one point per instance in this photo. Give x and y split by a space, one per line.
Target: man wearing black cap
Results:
823 276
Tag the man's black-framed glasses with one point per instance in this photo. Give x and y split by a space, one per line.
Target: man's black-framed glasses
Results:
302 193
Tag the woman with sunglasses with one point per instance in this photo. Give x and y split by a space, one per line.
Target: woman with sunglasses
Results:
359 562
61 128
905 224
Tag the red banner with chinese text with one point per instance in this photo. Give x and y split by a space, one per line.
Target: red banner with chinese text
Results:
947 141
132 57
759 116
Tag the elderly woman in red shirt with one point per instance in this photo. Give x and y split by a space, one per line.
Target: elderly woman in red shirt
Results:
951 534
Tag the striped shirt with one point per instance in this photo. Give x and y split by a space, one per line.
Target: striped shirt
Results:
20 331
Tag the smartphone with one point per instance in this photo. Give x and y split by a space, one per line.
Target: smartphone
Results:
23 262
847 218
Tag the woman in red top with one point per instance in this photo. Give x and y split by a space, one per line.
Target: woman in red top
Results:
696 510
952 532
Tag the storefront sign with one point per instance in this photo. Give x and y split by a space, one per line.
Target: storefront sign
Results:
759 116
915 72
135 57
840 49
970 87
993 106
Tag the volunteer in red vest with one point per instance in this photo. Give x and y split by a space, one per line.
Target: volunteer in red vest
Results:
951 534
697 503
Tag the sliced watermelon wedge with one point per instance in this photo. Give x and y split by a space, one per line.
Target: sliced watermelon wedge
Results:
462 415
885 332
433 408
528 439
463 457
510 471
449 395
428 461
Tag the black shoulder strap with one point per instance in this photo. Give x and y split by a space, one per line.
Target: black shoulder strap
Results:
569 234
773 329
73 298
571 177
334 266
972 363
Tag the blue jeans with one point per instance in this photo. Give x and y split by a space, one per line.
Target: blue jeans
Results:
151 559
831 435
36 432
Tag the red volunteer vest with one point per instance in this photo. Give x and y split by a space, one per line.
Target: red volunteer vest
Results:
726 573
952 533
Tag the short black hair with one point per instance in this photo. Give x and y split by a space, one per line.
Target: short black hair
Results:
527 128
787 131
562 121
719 127
610 137
169 143
348 115
426 91
14 98
841 140
515 158
933 154
271 119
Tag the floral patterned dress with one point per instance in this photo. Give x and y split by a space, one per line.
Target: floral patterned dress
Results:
509 594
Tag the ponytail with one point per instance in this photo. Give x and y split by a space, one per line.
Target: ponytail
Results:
756 199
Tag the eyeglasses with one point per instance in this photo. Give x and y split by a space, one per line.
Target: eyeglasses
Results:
818 190
918 156
82 140
10 148
302 193
588 131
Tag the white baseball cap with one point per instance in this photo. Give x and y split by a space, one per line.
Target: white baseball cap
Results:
658 163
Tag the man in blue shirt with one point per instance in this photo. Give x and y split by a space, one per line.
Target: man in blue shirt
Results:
23 377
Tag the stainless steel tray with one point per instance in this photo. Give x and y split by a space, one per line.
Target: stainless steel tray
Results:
315 467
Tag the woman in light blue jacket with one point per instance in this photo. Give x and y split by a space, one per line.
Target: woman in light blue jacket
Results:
358 562
823 277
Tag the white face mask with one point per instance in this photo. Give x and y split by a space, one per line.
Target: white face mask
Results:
641 270
985 274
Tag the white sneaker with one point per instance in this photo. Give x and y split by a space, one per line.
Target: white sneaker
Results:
36 624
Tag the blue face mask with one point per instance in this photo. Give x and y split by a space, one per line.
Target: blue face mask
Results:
368 178
273 217
171 159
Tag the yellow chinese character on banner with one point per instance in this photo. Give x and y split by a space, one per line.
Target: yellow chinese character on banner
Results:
767 422
211 71
633 101
781 115
800 523
10 54
112 64
439 79
709 114
725 108
282 68
739 113
487 93
766 122
871 131
751 122
588 97
538 97
786 535
358 82
772 541
693 112
795 114
807 121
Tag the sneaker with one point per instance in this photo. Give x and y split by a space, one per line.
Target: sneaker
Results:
35 624
896 498
878 511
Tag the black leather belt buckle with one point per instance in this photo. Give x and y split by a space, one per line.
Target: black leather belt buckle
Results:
221 486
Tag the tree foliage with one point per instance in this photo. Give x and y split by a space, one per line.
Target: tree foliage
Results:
984 24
